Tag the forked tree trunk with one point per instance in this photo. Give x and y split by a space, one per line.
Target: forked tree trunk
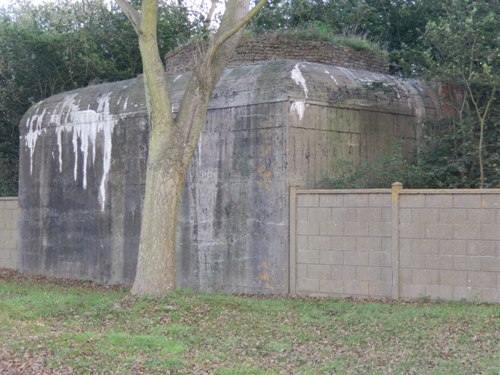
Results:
172 141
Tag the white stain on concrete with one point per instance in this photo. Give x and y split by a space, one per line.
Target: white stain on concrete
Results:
299 106
85 126
299 79
34 125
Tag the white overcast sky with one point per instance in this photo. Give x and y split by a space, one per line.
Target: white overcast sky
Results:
198 5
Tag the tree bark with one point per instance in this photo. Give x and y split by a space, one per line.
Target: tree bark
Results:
173 141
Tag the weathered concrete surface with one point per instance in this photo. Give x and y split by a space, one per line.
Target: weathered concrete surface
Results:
269 126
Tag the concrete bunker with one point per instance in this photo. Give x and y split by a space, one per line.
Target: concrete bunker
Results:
271 125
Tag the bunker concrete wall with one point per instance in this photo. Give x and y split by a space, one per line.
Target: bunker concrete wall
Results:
269 126
9 250
419 243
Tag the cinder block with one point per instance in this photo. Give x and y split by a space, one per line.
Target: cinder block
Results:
307 228
11 204
356 229
331 257
482 279
490 295
386 274
387 244
490 200
491 264
467 263
409 260
467 231
452 215
344 243
308 285
302 213
452 247
380 289
10 243
307 200
424 216
379 259
380 229
462 293
439 262
379 200
440 291
466 200
425 277
481 248
368 214
319 214
454 278
355 200
412 291
319 242
387 215
6 219
341 215
490 232
331 200
331 286
319 271
406 275
439 200
439 231
411 201
405 245
308 256
410 230
368 244
331 229
365 273
343 272
424 246
301 271
404 215
356 258
302 242
480 216
356 288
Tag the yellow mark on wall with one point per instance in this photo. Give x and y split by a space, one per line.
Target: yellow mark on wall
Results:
264 277
265 177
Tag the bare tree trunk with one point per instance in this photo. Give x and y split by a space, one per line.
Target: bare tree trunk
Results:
173 141
156 263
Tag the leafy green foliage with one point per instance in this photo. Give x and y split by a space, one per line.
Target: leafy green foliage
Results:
380 173
54 47
462 48
394 24
55 325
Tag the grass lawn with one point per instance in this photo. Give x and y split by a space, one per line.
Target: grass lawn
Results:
56 326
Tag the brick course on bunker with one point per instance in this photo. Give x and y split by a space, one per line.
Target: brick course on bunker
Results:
269 126
277 47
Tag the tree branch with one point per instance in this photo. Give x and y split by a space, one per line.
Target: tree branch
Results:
208 20
132 14
224 37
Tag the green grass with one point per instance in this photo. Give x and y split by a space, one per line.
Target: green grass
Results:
91 329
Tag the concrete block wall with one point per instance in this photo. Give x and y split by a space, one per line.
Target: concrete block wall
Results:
343 243
8 232
420 243
450 245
